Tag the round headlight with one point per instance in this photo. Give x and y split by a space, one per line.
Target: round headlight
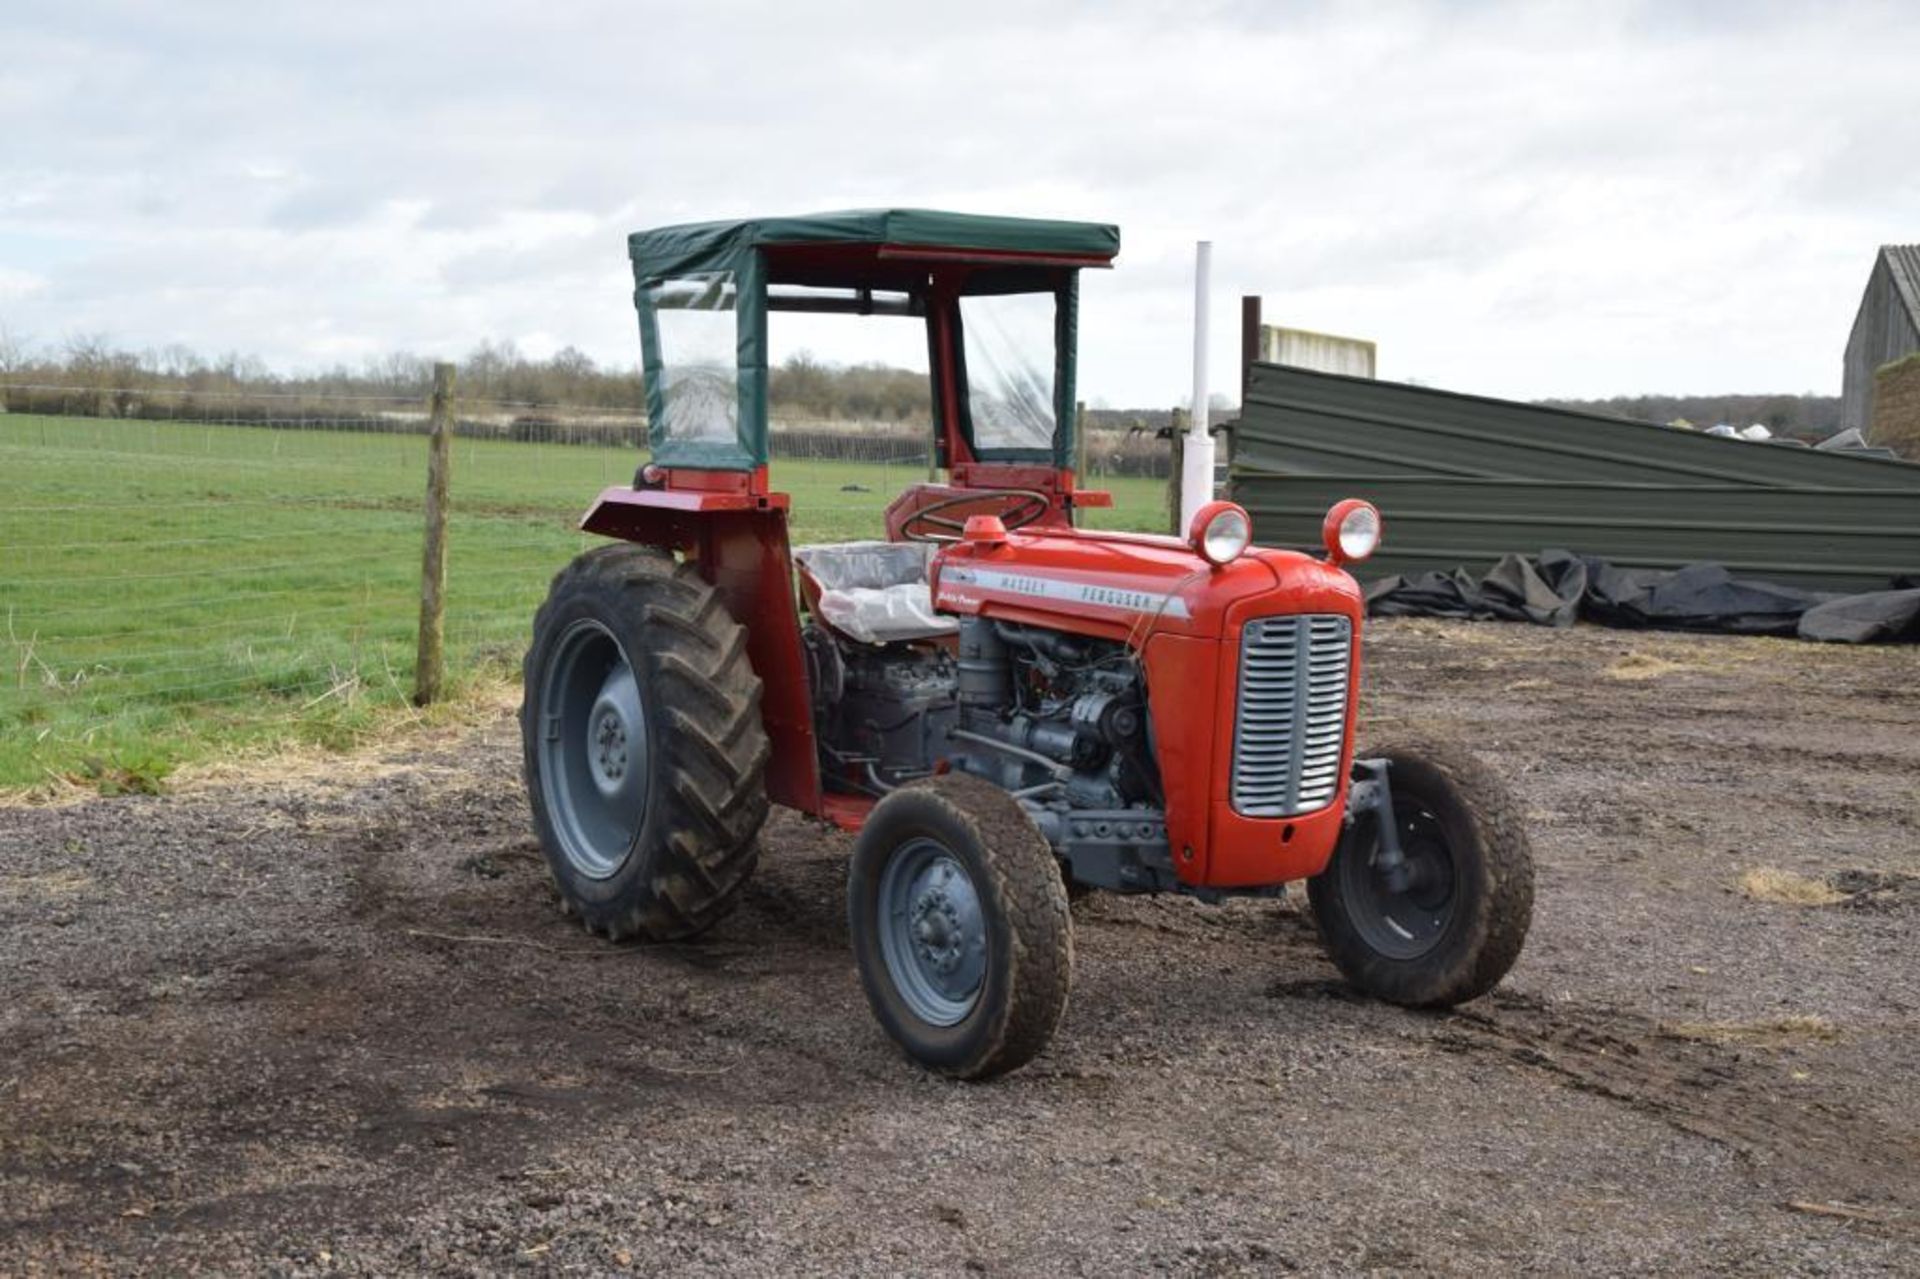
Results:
1221 532
1351 531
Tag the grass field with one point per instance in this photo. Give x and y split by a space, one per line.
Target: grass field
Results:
175 590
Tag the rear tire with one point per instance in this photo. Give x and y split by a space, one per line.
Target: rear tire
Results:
960 926
1456 929
644 753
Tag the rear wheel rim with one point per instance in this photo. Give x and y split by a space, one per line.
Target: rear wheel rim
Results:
933 932
594 756
1410 923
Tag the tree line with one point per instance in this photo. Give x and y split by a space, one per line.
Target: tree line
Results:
93 376
1807 417
101 379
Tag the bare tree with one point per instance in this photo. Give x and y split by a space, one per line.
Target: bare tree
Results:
13 353
90 371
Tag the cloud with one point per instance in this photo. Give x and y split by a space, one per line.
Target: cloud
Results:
1523 199
17 285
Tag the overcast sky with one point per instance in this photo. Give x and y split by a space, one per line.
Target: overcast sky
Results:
1528 200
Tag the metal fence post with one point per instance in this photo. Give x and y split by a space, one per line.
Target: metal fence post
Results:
430 663
1177 442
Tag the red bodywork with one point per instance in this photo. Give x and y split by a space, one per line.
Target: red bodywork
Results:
1181 613
1155 593
1184 616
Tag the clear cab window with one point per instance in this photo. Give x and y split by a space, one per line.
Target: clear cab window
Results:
699 343
1010 370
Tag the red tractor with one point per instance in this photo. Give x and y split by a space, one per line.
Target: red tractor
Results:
1009 709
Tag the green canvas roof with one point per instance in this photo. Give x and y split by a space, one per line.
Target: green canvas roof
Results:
694 244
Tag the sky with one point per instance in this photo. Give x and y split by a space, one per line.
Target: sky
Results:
1525 200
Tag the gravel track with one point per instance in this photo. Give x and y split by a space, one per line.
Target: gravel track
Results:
332 1021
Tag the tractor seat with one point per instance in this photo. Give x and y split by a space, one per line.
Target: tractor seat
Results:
874 592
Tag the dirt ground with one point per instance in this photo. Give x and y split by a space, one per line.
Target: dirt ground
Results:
329 1019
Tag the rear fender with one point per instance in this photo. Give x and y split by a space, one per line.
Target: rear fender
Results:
739 542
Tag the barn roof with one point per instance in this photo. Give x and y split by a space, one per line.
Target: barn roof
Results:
1903 264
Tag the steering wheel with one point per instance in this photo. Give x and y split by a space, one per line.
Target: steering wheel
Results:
1024 506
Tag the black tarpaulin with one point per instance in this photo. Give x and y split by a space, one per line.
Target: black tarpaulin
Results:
1878 616
1558 587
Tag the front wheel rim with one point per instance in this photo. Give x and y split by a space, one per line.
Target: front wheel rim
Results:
933 932
1409 923
593 751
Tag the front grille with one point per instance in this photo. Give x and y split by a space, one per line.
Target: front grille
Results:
1291 722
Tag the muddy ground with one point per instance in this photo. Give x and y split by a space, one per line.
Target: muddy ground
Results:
329 1019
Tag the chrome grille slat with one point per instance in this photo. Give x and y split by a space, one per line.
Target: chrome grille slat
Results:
1290 722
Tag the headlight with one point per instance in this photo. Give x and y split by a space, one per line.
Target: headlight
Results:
1351 531
1221 532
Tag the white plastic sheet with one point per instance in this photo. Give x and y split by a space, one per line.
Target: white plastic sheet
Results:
876 592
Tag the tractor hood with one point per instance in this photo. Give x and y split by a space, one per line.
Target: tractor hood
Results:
1129 586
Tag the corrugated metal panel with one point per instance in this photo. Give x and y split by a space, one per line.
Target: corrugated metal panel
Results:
1299 421
1833 539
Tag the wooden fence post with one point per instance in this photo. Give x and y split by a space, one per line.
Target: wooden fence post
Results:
429 667
1249 355
1249 343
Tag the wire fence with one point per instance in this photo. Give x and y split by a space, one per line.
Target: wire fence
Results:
1118 444
181 572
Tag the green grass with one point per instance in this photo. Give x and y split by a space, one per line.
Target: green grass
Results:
174 591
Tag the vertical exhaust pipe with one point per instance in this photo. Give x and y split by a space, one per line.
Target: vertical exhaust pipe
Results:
1196 451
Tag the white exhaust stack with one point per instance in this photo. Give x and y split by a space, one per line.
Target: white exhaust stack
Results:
1196 452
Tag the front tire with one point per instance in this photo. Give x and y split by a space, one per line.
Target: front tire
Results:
1452 932
644 753
960 926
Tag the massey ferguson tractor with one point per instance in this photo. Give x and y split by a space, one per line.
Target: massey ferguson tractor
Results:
1010 710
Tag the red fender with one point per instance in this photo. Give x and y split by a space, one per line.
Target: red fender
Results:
738 538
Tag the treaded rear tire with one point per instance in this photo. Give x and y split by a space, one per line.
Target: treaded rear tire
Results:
1493 869
707 750
1029 934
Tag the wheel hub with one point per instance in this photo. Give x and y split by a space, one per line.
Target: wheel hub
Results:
938 930
610 748
610 728
1404 912
593 753
1429 874
934 937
